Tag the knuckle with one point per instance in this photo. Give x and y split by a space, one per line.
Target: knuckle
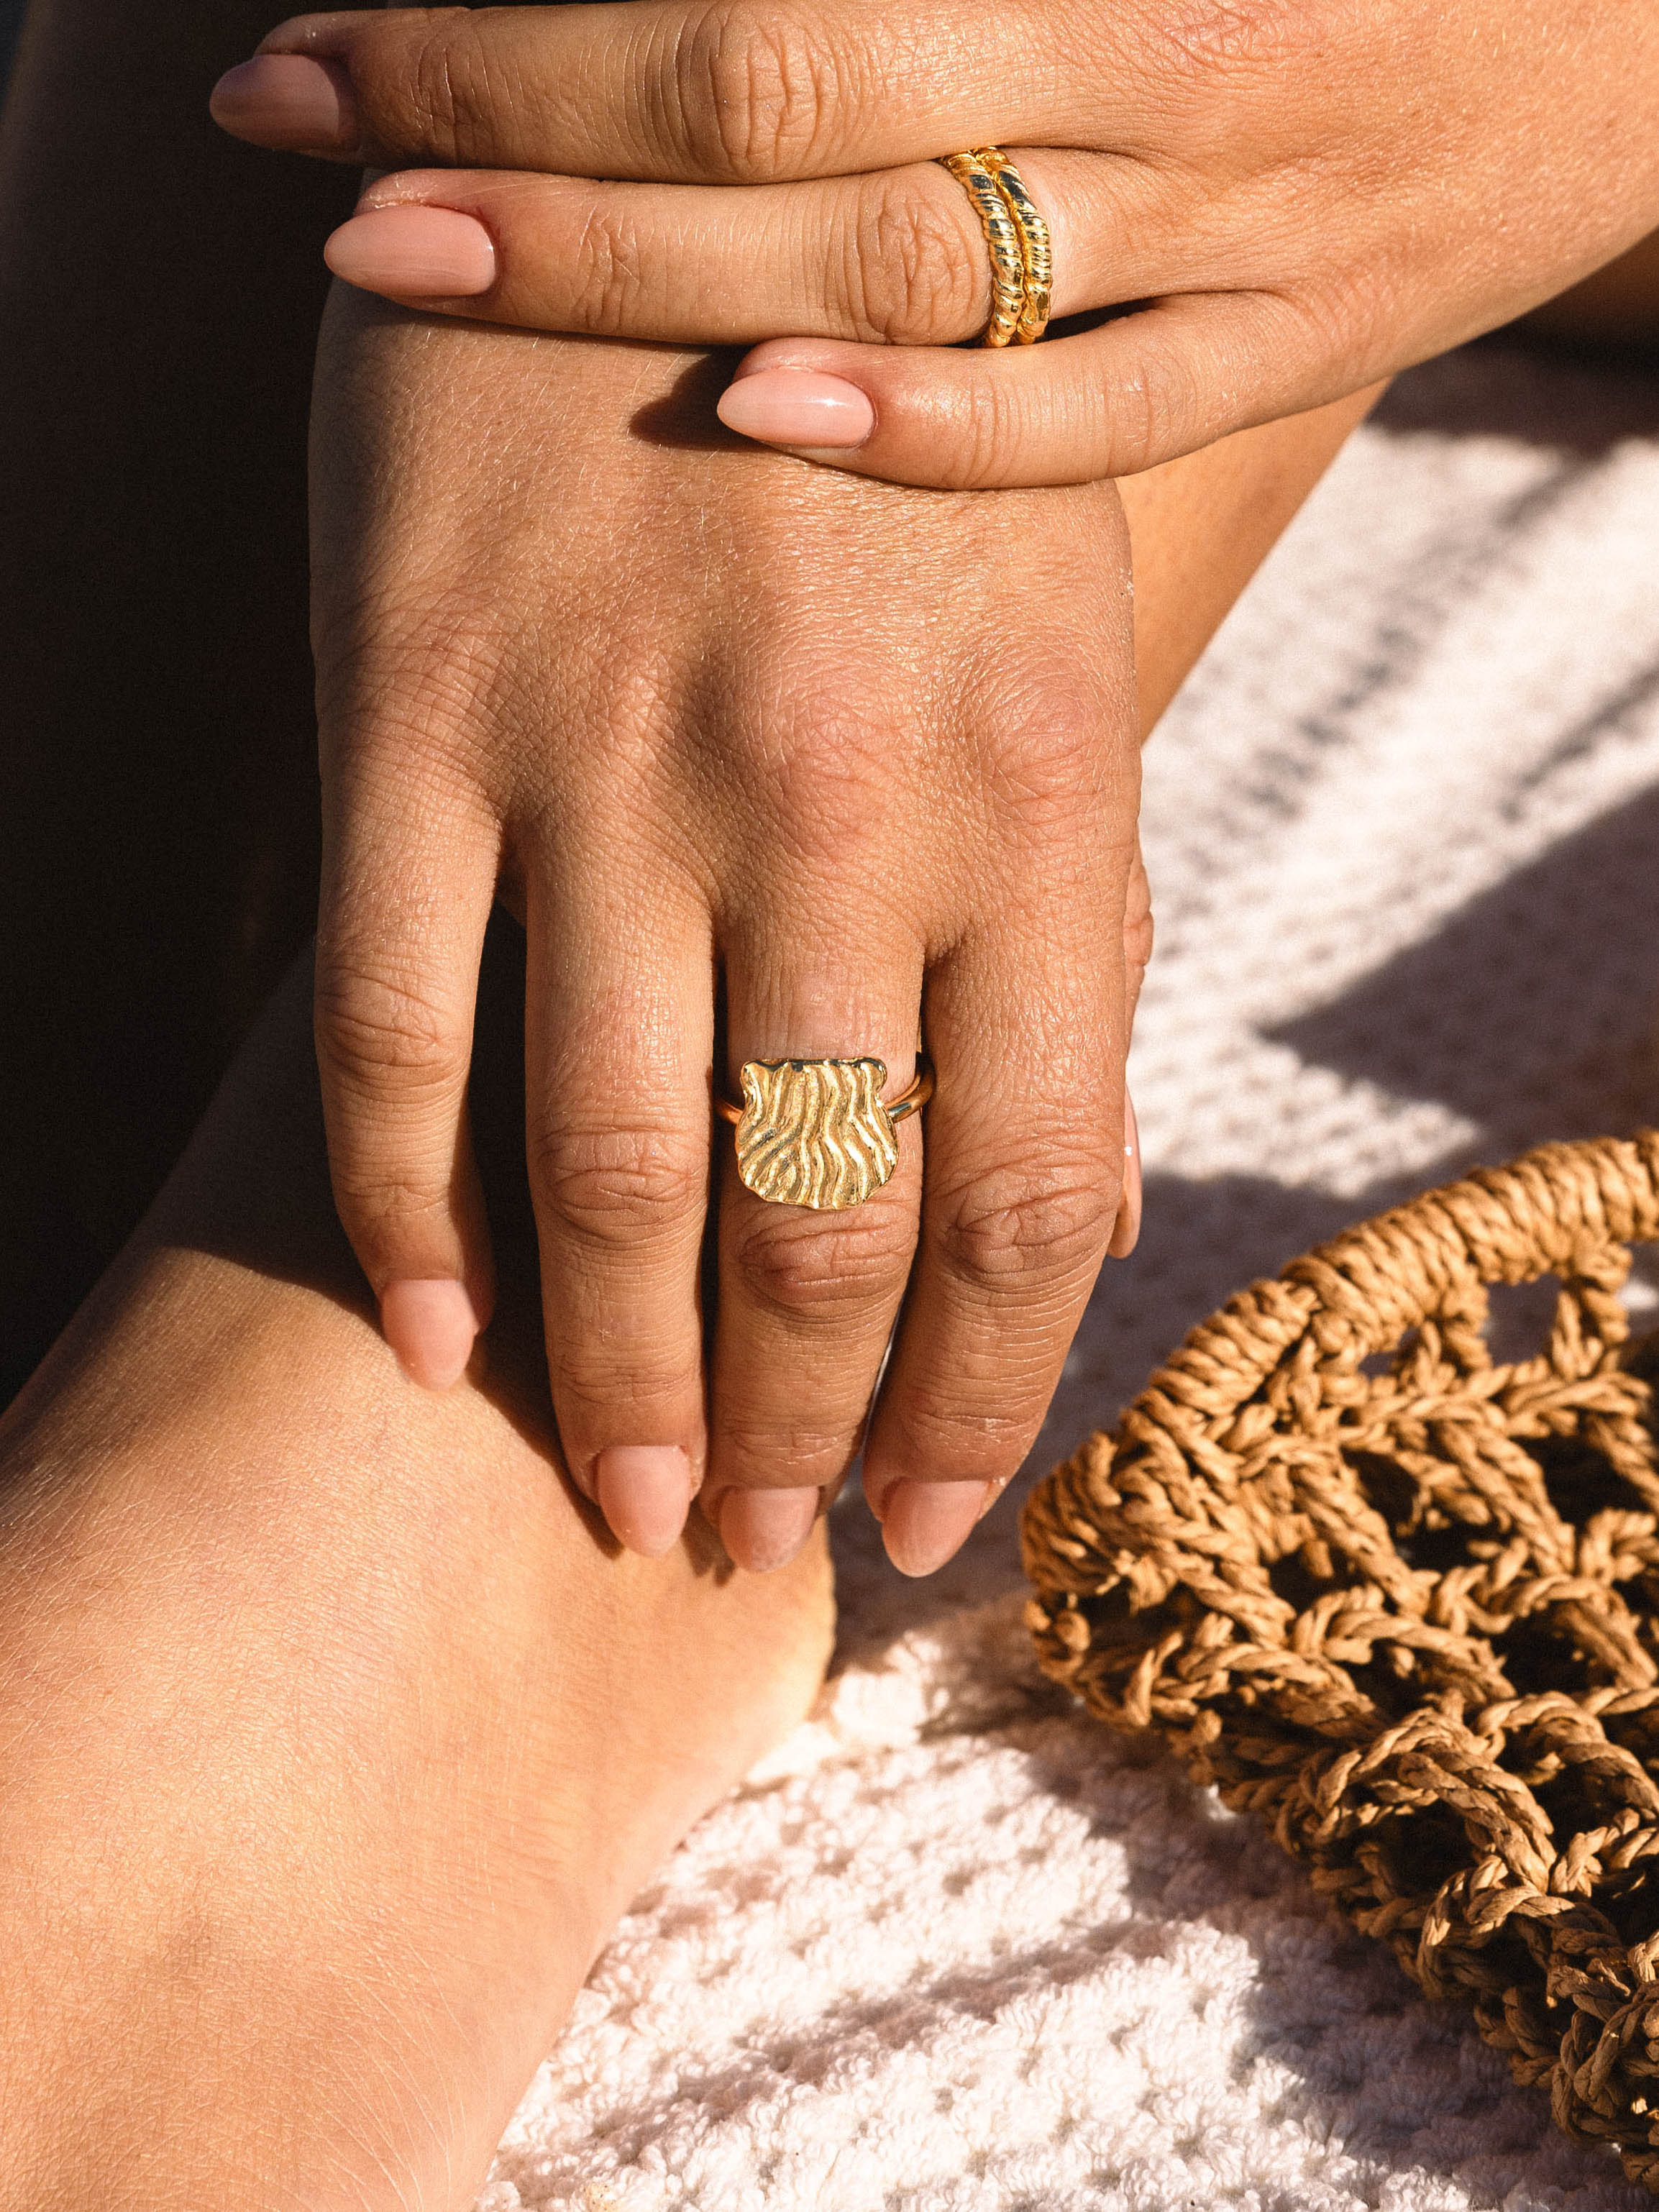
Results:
1349 315
379 1031
821 772
1047 764
615 1188
756 92
1021 1226
806 1448
825 1267
382 1202
985 1432
827 806
1235 37
1155 409
457 95
1138 932
595 1377
987 437
613 280
914 275
425 675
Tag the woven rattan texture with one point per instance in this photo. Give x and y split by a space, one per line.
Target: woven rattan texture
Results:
1401 1600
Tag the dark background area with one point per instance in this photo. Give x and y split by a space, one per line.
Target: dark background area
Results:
11 21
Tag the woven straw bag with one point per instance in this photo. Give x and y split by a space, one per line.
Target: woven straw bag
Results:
1403 1602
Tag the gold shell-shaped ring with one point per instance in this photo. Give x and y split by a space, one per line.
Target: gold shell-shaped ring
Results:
817 1133
1017 238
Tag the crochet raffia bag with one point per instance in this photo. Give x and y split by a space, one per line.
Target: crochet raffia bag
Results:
1402 1601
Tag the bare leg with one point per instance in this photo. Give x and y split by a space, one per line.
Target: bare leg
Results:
333 1736
1201 528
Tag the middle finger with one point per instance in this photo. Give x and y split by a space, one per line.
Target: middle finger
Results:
683 91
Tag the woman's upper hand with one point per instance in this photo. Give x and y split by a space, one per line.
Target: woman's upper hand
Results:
843 759
1298 197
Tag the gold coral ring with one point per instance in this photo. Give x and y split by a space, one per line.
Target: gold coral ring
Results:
1017 240
817 1133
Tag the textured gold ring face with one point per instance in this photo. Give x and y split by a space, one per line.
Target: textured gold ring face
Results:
815 1132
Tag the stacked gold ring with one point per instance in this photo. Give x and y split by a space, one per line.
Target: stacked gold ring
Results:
1017 237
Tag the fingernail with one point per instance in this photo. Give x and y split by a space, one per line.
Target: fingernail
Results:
414 253
1126 1230
796 407
289 102
924 1524
431 1326
644 1492
764 1529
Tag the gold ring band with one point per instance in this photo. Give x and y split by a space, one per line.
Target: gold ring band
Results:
1035 246
1018 239
817 1133
1001 238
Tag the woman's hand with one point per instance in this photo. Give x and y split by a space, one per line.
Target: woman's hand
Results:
1300 197
831 760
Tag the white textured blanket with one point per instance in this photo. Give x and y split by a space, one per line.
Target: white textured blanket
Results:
955 1948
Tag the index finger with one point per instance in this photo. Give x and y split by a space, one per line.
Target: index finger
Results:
671 91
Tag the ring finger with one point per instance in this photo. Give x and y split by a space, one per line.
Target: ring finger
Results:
808 1293
898 256
1025 1169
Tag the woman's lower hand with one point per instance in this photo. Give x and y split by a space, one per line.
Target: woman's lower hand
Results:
1298 199
844 760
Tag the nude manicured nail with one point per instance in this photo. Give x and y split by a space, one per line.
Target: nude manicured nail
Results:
431 1326
414 253
764 1529
796 407
644 1492
1126 1230
924 1524
289 102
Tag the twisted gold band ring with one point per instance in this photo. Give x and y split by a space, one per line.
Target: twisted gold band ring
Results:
1018 239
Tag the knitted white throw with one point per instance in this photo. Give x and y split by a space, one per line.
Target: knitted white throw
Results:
955 1949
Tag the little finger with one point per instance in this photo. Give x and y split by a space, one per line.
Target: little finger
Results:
1144 388
1025 1172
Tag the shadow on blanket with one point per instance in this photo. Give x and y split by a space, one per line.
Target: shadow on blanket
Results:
1533 1012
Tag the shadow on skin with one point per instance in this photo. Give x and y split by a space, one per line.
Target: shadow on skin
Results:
685 417
261 1153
